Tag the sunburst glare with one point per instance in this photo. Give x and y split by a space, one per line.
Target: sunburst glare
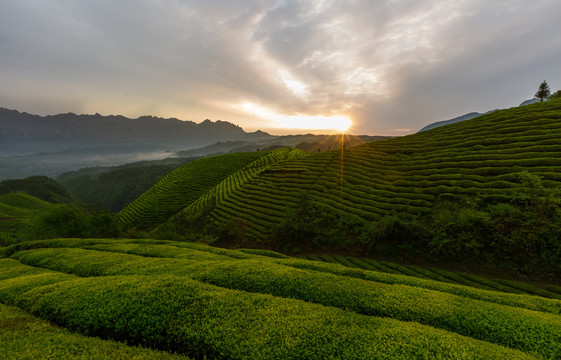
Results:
336 123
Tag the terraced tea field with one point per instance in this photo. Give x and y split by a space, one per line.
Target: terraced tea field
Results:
460 278
196 179
480 157
202 301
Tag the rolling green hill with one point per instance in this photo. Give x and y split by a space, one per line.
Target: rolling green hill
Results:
408 174
499 171
41 187
192 181
116 186
17 212
203 301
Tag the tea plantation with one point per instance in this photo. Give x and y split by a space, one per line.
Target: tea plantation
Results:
200 301
478 157
482 190
196 179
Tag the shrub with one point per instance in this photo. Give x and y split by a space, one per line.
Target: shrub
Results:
395 235
26 337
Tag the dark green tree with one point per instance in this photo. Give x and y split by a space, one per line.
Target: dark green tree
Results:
543 91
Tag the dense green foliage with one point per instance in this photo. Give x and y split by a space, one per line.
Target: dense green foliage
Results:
521 231
24 217
76 221
114 187
555 96
205 301
40 187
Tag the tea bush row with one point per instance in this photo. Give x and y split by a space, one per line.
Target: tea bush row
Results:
178 314
26 337
387 275
486 321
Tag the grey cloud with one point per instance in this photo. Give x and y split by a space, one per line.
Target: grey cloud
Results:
391 64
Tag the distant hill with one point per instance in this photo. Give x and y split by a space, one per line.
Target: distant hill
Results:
529 102
471 115
51 145
22 133
40 187
468 116
306 142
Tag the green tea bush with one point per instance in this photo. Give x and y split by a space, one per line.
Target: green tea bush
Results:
178 314
486 321
529 289
554 288
523 301
380 267
345 262
27 337
361 264
489 283
263 252
455 278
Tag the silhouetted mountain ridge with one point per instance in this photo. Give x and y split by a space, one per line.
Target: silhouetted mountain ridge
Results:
63 131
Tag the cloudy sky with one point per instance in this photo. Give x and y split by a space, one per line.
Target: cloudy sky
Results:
391 66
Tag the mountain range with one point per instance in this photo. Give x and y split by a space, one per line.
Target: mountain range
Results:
51 145
22 133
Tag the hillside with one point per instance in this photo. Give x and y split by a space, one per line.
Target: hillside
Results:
191 182
470 115
41 187
17 212
510 157
202 301
113 187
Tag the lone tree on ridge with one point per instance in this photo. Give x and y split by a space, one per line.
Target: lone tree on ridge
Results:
543 91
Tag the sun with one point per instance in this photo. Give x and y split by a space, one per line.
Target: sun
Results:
343 124
335 123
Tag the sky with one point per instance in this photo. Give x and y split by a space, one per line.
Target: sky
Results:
283 66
